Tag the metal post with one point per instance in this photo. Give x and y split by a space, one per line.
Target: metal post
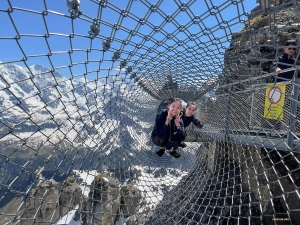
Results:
293 112
228 114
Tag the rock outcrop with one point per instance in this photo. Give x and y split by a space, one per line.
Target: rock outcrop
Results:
103 206
70 196
51 200
253 49
106 201
103 203
130 198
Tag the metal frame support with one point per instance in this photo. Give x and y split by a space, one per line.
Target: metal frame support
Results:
293 113
228 114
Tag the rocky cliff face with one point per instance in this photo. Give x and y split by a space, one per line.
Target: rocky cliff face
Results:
106 201
103 206
103 203
50 200
70 196
130 198
253 49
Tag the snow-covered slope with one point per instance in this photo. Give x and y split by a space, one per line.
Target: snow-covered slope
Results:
37 103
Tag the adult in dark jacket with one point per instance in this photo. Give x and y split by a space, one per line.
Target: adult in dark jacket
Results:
169 129
188 118
285 61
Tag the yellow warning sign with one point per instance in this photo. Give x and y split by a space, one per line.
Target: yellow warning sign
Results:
274 101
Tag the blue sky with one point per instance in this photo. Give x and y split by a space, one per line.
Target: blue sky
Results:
32 27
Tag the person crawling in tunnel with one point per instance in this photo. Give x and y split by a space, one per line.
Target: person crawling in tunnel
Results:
169 129
188 118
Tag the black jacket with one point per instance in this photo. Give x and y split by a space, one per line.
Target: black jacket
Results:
191 119
282 60
161 130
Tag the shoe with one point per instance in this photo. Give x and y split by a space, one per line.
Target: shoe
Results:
160 152
182 145
175 154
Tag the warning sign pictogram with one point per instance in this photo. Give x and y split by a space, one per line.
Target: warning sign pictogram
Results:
275 94
274 101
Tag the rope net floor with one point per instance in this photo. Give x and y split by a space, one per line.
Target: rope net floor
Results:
82 82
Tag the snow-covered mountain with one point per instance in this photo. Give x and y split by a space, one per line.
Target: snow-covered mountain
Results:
36 99
38 87
43 107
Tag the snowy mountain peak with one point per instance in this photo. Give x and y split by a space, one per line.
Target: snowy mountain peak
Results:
39 68
53 88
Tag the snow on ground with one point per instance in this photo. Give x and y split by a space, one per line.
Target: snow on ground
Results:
34 138
122 220
134 133
48 135
87 177
147 183
68 218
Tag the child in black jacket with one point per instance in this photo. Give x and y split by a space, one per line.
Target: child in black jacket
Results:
169 129
188 117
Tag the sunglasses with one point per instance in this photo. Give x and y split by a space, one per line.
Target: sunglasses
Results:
291 49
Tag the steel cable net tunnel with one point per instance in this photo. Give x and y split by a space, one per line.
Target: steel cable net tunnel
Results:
82 82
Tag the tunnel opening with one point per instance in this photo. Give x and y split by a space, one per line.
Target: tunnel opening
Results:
81 83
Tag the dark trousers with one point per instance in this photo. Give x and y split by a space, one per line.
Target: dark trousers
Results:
159 141
162 142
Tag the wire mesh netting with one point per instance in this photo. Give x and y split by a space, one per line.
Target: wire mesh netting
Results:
81 83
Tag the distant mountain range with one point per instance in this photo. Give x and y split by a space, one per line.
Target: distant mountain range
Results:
38 101
43 113
51 112
40 93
